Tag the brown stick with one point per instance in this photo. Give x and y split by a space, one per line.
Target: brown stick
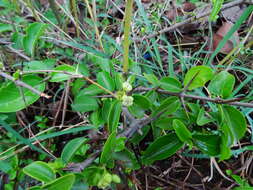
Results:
207 99
22 84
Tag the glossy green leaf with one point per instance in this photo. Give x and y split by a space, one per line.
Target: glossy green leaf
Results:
202 119
114 116
181 130
163 147
222 84
208 144
168 106
198 76
140 105
142 101
70 149
62 183
108 148
107 103
235 120
227 140
76 85
83 103
40 171
164 123
10 98
58 77
105 80
170 84
33 32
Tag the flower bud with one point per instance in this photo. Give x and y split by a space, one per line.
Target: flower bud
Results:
127 86
127 100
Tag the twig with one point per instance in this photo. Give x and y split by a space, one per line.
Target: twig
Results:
189 20
66 94
233 102
22 84
136 125
78 167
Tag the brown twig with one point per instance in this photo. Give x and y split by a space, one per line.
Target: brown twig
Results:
233 102
189 20
66 94
22 84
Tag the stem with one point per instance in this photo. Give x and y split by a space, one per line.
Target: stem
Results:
56 12
127 27
75 14
94 19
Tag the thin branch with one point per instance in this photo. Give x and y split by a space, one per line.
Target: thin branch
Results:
22 84
233 102
79 167
189 20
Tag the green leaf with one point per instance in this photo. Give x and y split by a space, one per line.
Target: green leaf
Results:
226 141
127 159
58 77
181 130
93 175
168 106
217 4
91 90
35 188
208 144
202 120
222 84
140 104
114 115
152 79
235 120
164 123
5 27
76 85
108 148
40 171
198 76
33 32
10 98
62 183
47 64
105 80
71 147
83 103
170 84
163 147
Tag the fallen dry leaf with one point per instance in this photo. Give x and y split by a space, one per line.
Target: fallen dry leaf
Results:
188 7
219 35
173 13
